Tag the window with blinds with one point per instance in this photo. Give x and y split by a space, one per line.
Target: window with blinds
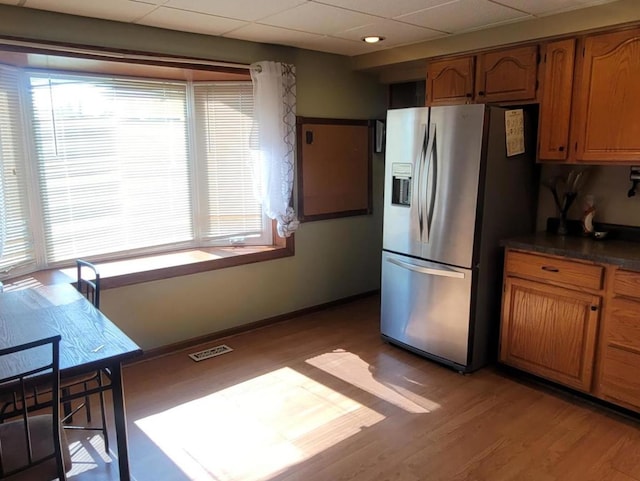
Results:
114 164
124 166
224 120
16 240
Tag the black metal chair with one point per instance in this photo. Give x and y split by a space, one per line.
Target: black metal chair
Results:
88 284
33 446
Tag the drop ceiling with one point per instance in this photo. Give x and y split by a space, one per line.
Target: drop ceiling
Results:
335 26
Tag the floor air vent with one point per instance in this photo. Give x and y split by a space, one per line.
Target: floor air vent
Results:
211 352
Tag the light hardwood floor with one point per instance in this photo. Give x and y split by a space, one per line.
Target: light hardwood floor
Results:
322 398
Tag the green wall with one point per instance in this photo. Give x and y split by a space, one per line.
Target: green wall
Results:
334 258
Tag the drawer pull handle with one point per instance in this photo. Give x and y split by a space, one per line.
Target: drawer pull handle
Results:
550 269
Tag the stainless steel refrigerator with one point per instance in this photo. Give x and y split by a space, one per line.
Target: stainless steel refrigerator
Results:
451 194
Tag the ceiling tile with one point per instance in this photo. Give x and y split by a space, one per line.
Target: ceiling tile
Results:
268 34
395 33
342 46
548 7
175 19
317 18
120 10
463 15
385 8
327 25
154 2
240 9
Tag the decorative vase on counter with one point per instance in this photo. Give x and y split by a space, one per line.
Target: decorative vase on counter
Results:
565 191
567 201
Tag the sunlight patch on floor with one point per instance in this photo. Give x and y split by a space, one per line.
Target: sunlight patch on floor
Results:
352 369
87 453
257 428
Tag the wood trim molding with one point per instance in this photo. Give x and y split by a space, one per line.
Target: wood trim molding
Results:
57 56
20 44
127 272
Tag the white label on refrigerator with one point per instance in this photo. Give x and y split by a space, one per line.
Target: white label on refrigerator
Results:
514 127
401 170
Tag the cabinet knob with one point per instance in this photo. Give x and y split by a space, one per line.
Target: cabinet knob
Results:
481 93
561 148
469 95
594 308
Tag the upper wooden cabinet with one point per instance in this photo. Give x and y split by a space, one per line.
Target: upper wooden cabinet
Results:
607 98
558 60
450 81
507 75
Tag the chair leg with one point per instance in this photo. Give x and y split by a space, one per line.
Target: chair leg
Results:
61 468
62 474
87 404
103 415
66 407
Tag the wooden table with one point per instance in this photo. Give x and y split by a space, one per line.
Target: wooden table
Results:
90 341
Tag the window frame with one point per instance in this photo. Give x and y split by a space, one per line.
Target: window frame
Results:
129 270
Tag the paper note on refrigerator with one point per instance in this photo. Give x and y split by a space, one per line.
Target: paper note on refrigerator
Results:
514 127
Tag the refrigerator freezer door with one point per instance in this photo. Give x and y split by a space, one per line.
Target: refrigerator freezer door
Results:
450 183
426 306
406 145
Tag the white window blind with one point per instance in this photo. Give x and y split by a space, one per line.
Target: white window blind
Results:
224 119
113 164
102 167
17 238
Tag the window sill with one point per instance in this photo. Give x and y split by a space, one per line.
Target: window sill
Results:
163 266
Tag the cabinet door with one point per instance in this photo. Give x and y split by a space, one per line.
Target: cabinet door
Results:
549 331
620 358
555 105
618 379
450 81
507 75
608 98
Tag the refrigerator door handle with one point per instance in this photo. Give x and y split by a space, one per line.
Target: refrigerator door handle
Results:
427 270
417 195
428 196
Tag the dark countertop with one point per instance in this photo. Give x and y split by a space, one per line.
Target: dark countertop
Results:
611 251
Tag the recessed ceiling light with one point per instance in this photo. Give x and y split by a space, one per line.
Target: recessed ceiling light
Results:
372 39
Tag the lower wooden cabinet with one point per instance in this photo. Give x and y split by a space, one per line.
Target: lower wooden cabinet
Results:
573 322
619 374
620 379
550 331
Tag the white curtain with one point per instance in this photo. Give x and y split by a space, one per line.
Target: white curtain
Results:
274 97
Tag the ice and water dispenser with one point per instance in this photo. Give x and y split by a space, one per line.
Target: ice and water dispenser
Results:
401 178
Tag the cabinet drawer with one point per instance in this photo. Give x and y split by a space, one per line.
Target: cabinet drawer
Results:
619 378
552 269
626 283
623 324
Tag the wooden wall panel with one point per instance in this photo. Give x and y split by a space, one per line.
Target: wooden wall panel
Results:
334 168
